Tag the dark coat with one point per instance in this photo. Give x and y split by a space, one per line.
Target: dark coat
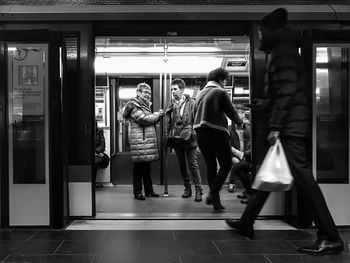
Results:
212 106
100 143
187 120
287 97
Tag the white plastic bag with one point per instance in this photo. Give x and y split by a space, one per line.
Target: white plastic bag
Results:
274 174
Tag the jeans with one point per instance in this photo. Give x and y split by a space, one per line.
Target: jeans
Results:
215 145
187 158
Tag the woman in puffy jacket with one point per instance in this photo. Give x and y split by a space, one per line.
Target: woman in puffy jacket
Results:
142 139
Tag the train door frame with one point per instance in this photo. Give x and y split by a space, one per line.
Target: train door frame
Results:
56 209
210 29
336 189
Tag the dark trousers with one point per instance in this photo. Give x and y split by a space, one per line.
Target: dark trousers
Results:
242 170
296 153
215 145
142 172
187 158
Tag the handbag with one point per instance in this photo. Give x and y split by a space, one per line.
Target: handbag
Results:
274 174
102 161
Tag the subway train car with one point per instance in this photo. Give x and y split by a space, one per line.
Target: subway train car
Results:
65 65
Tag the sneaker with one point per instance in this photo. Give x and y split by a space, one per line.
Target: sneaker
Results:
231 188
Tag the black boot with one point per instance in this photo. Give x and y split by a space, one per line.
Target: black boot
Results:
187 192
217 202
199 193
152 194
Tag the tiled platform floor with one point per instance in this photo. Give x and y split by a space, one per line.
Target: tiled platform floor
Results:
158 246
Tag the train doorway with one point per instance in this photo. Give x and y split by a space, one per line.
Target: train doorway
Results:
120 65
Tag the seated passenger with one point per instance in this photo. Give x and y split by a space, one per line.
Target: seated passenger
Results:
101 159
241 158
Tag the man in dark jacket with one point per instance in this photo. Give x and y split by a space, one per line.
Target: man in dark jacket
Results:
289 118
181 137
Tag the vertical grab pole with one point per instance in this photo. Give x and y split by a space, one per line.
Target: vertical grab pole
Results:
161 128
163 97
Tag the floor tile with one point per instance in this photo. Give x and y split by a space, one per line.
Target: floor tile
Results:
140 235
98 247
177 248
285 234
29 247
207 235
255 247
223 259
69 235
136 259
16 234
343 258
50 258
3 256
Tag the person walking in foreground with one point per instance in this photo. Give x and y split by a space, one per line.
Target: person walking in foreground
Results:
181 137
212 106
143 139
289 119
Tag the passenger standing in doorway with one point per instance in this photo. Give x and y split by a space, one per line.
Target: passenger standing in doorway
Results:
143 139
212 106
181 137
289 119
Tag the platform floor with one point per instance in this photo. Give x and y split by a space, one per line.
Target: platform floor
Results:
176 243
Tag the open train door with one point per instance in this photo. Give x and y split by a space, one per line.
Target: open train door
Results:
33 188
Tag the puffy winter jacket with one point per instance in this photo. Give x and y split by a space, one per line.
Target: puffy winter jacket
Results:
142 132
286 91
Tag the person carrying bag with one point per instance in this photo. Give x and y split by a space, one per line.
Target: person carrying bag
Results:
274 174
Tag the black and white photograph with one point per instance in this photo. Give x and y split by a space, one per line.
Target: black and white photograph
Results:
175 131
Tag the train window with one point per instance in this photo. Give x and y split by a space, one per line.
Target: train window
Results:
331 122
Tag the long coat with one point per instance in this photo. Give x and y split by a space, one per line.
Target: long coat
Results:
142 132
287 98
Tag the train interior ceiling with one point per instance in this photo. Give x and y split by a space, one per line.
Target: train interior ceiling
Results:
122 63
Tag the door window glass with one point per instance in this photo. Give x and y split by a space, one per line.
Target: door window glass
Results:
332 114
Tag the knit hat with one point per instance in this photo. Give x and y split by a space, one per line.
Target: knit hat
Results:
275 20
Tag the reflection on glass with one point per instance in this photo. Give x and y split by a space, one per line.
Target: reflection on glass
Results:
332 118
27 129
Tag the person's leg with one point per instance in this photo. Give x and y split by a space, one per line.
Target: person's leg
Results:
203 139
137 180
147 180
222 150
242 169
192 165
296 153
233 175
181 157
